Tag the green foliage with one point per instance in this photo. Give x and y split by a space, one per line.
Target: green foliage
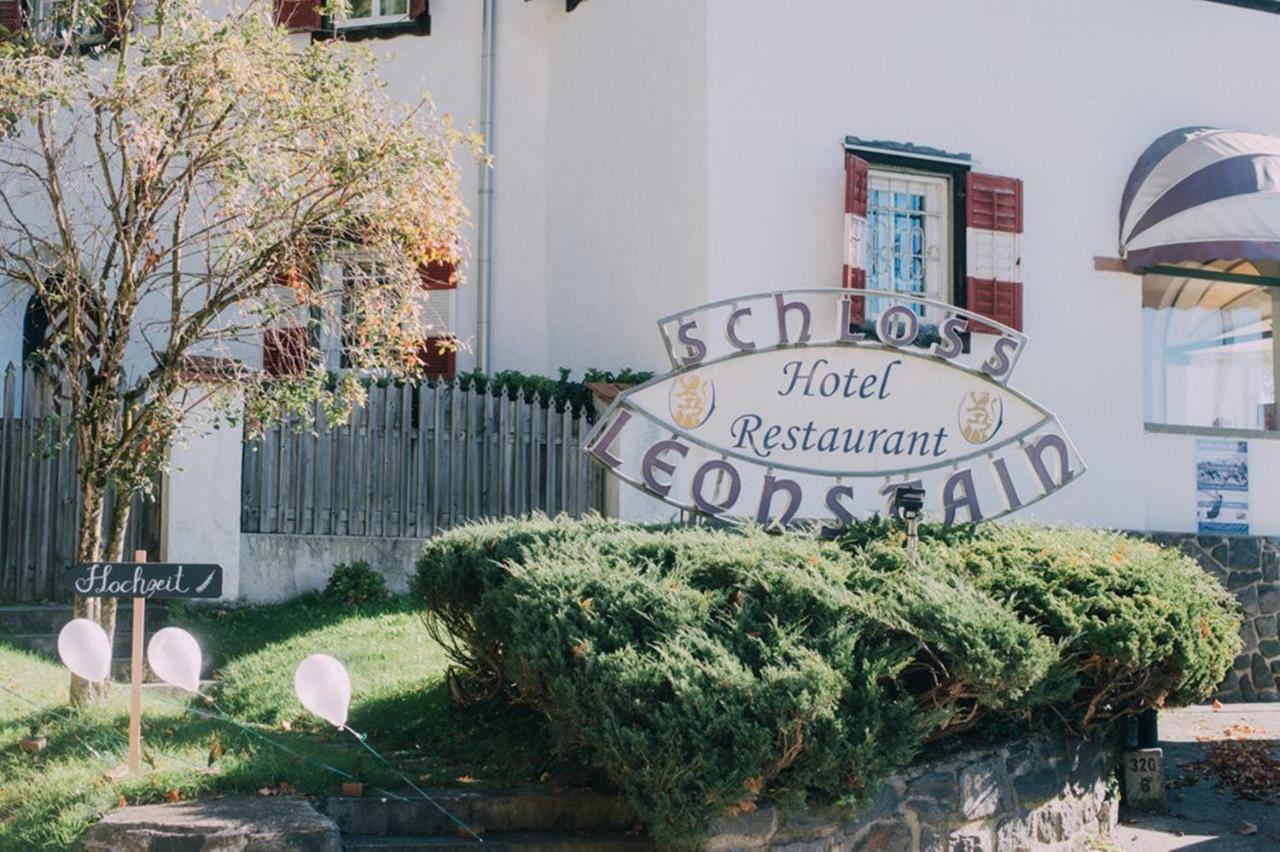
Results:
703 669
356 583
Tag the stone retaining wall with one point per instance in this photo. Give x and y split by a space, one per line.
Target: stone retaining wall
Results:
1250 567
1047 792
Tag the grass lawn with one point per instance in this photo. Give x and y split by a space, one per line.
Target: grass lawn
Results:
398 697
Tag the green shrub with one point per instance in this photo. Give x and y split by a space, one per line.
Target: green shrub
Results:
356 583
704 669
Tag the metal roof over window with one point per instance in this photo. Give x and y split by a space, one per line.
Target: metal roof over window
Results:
1203 194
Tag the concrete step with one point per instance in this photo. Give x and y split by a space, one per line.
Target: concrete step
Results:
522 841
47 643
497 810
50 618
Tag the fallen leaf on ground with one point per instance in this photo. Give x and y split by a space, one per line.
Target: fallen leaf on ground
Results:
1248 768
172 796
1217 705
466 779
1247 828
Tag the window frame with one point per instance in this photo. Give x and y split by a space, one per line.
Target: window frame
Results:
334 342
883 180
1262 282
379 20
384 26
40 14
957 172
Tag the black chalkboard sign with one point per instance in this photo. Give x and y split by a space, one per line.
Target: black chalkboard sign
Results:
144 580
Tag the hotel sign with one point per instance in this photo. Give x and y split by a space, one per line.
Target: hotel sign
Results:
779 410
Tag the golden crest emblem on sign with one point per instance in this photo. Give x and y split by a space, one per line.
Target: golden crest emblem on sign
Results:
980 416
691 401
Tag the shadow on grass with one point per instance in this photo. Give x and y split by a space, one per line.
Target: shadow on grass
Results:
229 633
496 742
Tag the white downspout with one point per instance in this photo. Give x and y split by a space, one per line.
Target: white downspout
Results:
484 223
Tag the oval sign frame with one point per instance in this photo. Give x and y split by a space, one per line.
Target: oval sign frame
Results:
955 489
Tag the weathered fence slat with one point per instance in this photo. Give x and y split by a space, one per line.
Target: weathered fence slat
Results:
414 460
40 501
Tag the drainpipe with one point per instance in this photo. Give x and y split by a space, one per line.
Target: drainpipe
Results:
484 224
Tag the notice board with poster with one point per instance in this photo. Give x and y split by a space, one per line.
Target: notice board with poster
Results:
1222 487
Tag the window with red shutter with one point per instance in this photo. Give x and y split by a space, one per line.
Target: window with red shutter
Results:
363 19
286 351
439 275
299 15
10 16
993 249
439 356
917 220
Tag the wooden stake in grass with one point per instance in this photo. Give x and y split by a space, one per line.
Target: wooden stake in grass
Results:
135 692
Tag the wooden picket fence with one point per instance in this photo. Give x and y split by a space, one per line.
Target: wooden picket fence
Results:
417 459
39 495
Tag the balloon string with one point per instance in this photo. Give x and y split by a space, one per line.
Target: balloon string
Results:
222 716
364 741
45 708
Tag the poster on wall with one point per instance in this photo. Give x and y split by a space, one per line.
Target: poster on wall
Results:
1222 487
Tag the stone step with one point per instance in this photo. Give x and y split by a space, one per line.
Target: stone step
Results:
521 841
47 643
50 618
497 810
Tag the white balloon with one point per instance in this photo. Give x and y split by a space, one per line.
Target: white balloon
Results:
85 649
174 655
324 687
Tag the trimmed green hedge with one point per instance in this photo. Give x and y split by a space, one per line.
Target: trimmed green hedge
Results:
704 669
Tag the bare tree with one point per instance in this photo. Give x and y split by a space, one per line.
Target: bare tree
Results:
169 196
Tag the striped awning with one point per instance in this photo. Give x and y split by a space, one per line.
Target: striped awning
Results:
1203 194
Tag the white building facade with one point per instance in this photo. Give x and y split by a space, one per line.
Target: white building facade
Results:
653 155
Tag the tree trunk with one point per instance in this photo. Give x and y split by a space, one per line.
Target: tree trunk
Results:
88 549
113 552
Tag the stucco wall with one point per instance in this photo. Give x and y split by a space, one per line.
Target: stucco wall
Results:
1064 96
275 568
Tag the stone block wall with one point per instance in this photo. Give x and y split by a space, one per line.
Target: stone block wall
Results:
1049 791
1250 567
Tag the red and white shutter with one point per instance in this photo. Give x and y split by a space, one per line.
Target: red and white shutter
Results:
10 16
299 15
856 181
417 8
439 354
993 249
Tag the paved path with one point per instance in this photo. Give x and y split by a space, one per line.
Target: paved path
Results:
1200 816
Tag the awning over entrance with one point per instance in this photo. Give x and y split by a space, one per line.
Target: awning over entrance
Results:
1203 194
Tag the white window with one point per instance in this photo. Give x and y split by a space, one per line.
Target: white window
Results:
347 275
1209 359
365 13
52 22
908 235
